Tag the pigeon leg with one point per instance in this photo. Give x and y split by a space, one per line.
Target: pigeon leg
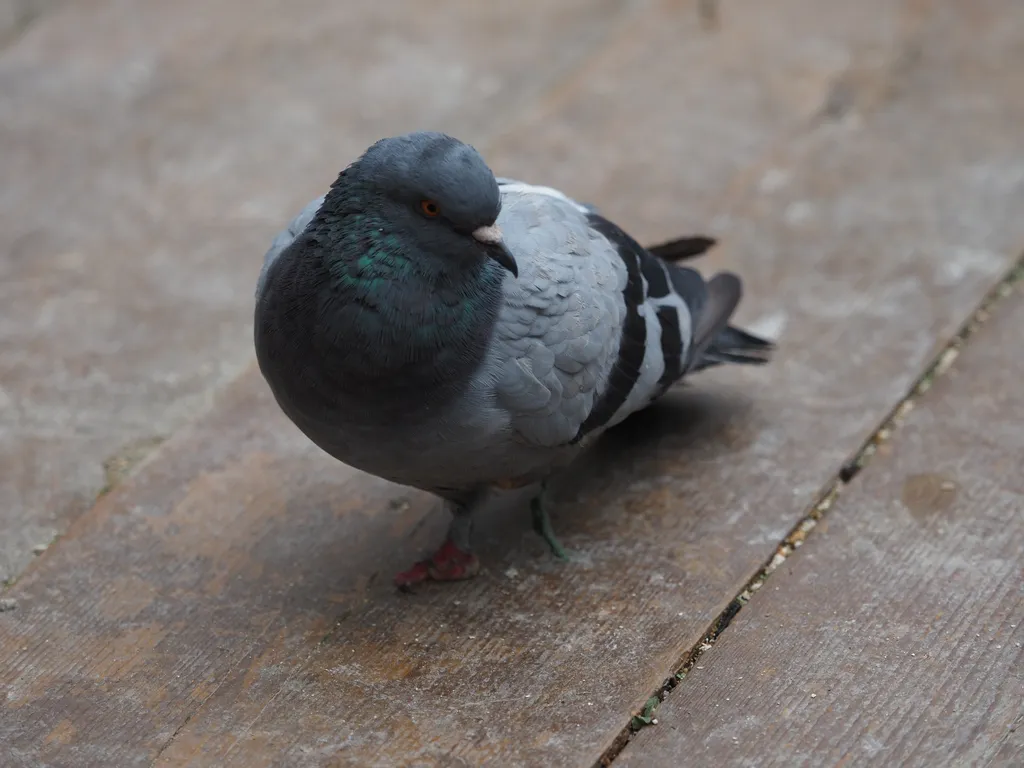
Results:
453 561
542 524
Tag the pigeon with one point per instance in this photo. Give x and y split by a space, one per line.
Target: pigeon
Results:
445 329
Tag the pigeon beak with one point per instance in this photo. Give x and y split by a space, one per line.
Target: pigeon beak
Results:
491 236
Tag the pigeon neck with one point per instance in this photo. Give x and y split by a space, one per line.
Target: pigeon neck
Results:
398 325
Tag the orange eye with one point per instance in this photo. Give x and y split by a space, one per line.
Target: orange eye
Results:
429 208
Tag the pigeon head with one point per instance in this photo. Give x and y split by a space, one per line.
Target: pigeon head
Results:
409 268
434 192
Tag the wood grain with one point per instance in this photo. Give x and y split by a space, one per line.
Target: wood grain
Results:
230 605
894 635
174 139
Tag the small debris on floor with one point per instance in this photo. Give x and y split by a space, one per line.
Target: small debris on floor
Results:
646 717
7 604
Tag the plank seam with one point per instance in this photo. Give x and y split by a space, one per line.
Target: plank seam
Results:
1002 741
939 366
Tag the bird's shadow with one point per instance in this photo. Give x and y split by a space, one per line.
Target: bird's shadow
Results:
681 435
347 541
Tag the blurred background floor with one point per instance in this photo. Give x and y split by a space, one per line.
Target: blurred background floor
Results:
189 582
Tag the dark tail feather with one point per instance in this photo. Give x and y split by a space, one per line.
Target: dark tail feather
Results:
723 294
683 248
712 304
733 345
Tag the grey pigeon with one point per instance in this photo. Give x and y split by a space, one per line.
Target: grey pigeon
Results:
444 329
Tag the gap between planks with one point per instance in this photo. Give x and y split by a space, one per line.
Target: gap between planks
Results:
940 364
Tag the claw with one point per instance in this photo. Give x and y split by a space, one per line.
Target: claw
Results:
449 563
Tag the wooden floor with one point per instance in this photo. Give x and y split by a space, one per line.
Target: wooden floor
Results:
820 562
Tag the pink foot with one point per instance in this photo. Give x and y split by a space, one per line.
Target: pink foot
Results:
449 563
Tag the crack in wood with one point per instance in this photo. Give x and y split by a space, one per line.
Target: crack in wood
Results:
939 366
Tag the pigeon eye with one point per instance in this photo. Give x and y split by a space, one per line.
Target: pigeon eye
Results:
429 208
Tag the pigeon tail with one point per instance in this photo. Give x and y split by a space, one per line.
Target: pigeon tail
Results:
734 345
683 248
712 304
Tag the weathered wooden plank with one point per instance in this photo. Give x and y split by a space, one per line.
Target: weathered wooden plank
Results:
675 524
1011 751
149 152
894 636
231 604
